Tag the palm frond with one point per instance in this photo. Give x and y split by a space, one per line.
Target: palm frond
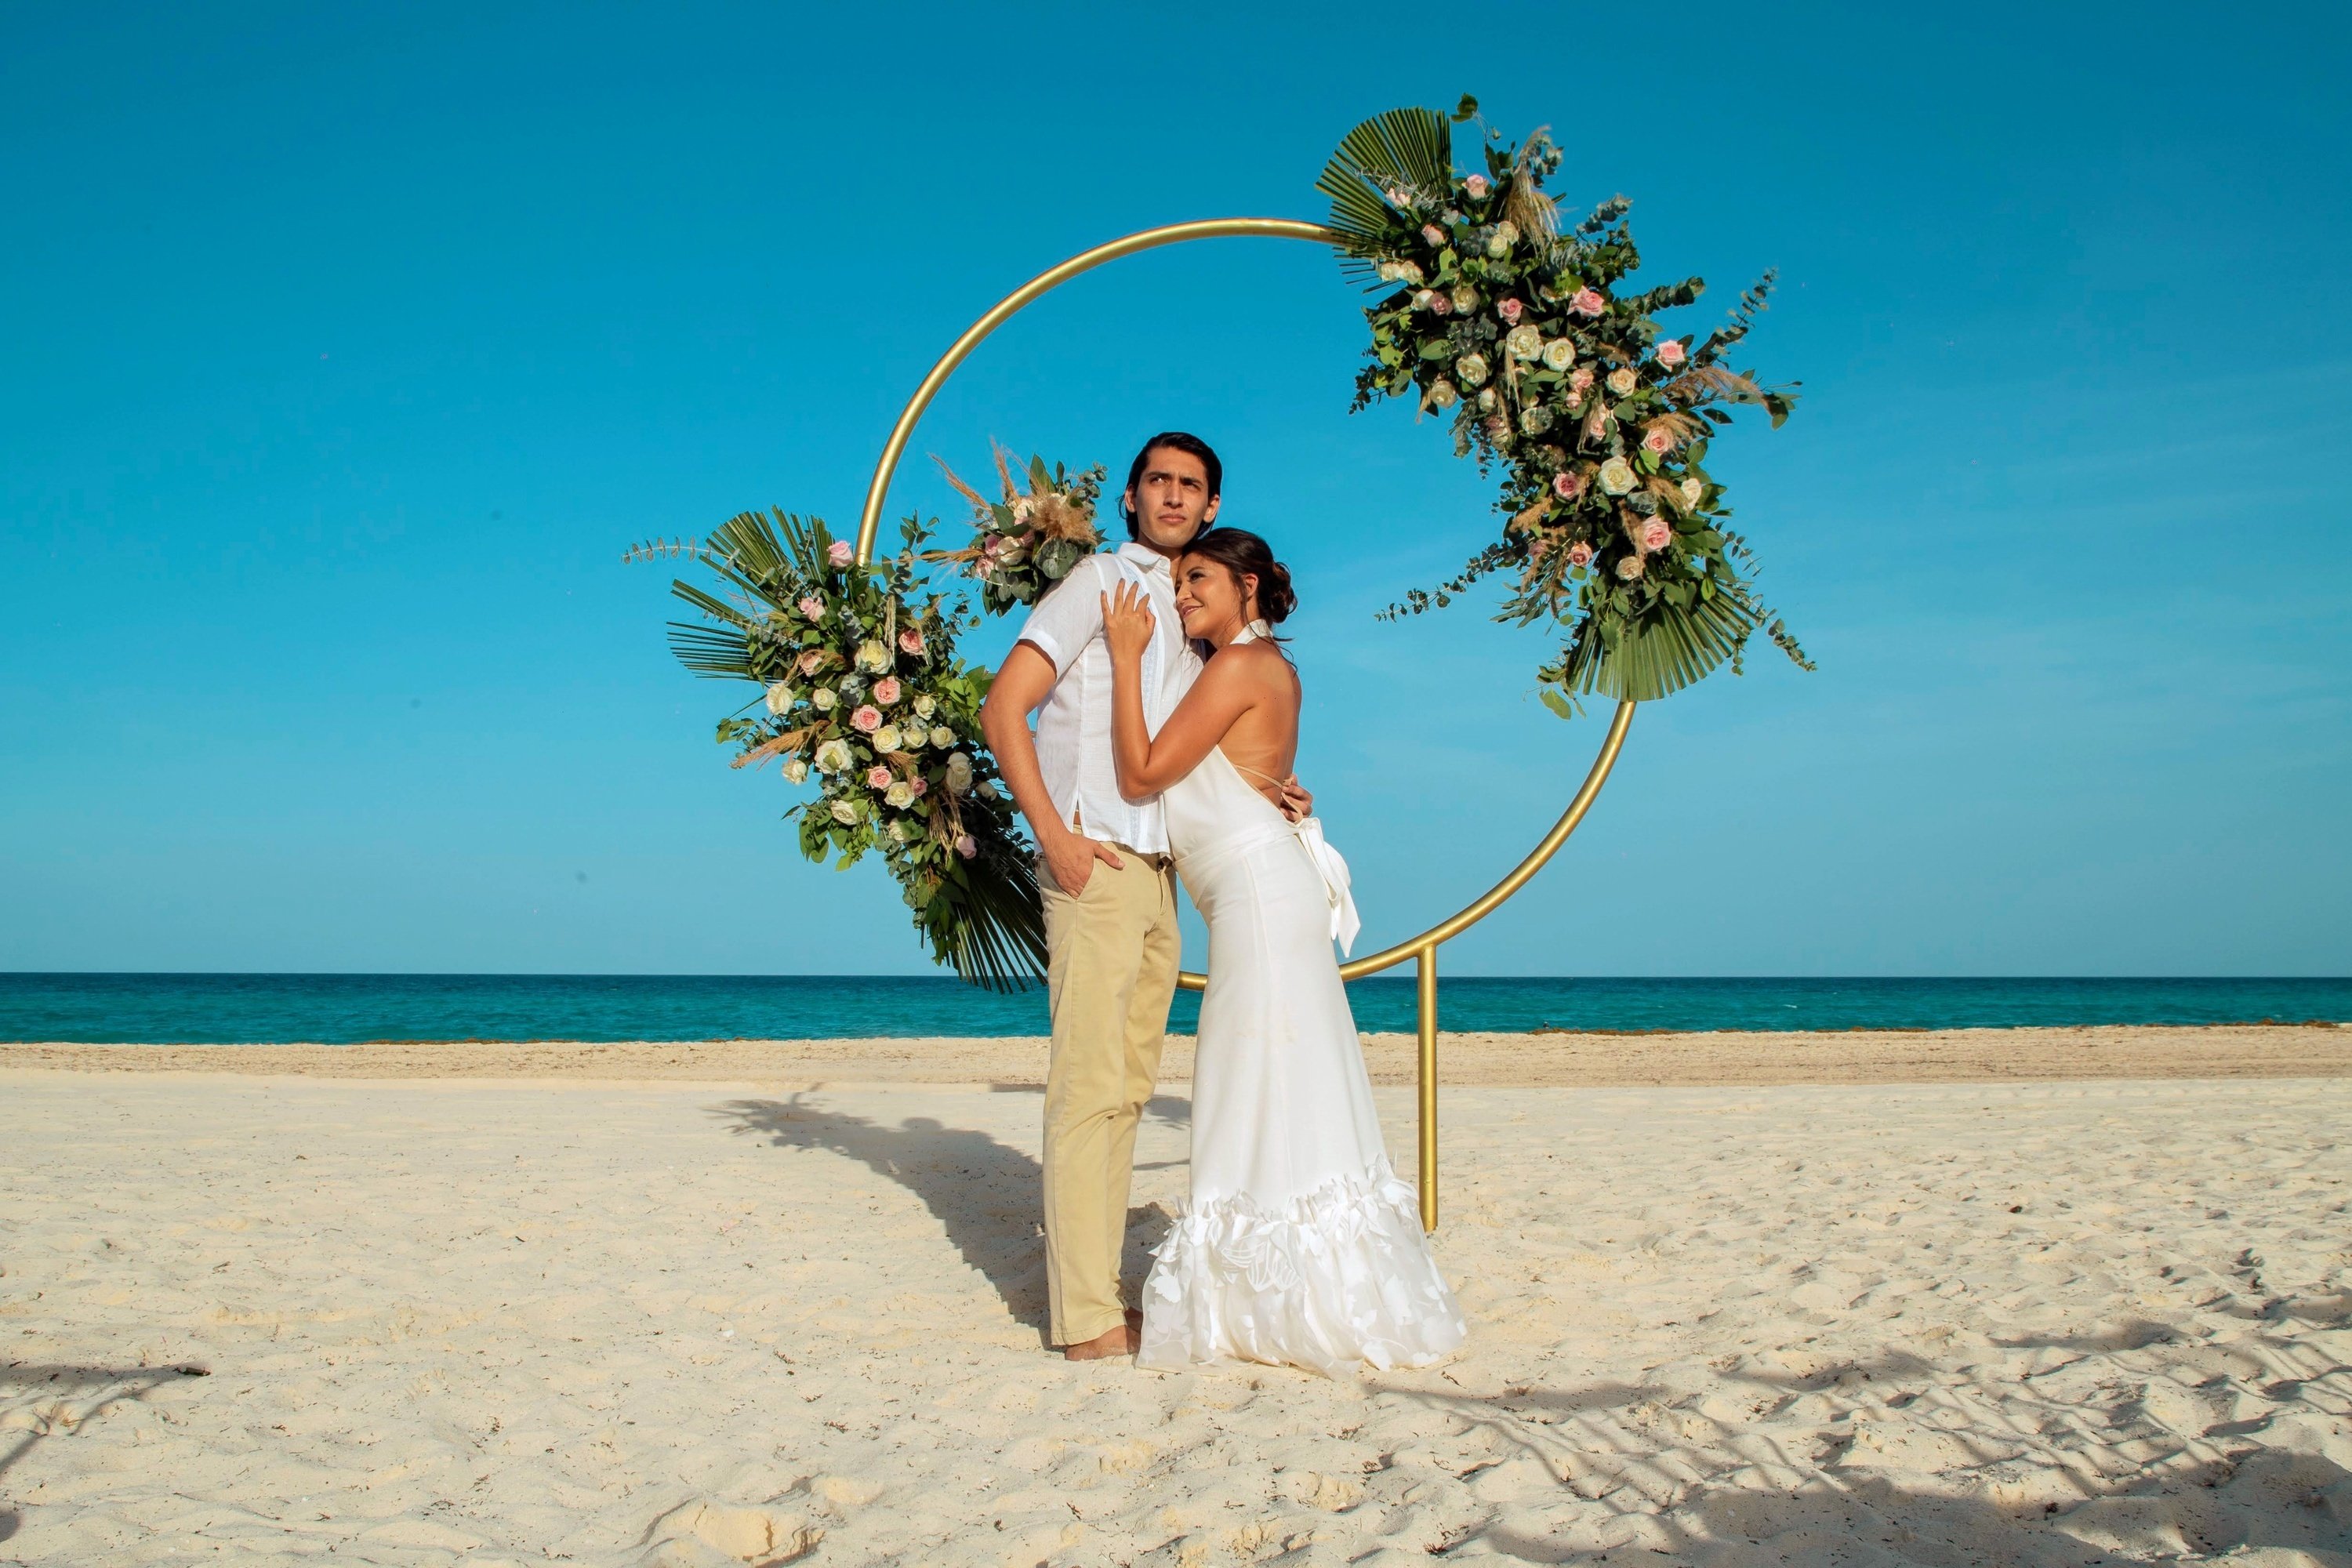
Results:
1662 652
1409 149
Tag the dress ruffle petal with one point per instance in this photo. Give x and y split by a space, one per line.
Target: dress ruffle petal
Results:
1340 1277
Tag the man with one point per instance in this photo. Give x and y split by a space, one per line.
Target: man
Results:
1109 893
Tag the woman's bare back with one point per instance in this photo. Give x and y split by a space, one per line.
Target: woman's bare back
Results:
1263 740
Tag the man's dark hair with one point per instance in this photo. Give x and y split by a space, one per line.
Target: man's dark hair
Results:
1180 442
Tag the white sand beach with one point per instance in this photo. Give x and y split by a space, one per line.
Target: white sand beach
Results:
448 1321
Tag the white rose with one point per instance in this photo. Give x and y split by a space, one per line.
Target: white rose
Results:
942 737
1471 368
912 738
1628 568
1623 382
873 656
899 796
845 813
959 773
887 739
1507 232
1536 420
924 706
987 790
823 698
780 697
833 756
1465 298
1409 271
1442 395
1422 299
1617 476
1693 492
1391 272
1525 341
1559 353
1496 246
796 771
898 830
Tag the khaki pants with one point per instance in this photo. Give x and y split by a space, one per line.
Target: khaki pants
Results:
1111 973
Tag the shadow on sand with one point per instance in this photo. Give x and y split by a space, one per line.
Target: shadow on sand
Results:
984 1193
63 1398
2256 1499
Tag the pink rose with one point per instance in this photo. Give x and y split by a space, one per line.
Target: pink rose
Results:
911 641
1477 186
1498 429
839 552
919 785
1580 553
1568 487
967 845
1432 233
813 607
886 691
1670 352
1439 305
1656 441
1582 382
1588 302
810 661
868 718
1656 535
1509 310
877 776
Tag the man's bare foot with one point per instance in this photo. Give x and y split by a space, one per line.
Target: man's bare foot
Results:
1117 1342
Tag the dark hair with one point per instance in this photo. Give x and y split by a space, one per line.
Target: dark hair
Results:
1244 555
1182 442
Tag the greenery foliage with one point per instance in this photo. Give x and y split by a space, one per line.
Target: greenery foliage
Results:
863 695
1512 330
1025 542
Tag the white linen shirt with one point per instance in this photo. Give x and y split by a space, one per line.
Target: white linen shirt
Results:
1074 748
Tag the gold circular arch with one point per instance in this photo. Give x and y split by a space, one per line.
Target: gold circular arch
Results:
1421 949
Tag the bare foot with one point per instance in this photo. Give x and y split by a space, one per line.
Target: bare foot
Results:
1117 1342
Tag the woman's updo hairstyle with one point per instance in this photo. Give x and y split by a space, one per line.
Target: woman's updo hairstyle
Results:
1244 555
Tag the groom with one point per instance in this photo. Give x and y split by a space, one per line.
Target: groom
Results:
1103 873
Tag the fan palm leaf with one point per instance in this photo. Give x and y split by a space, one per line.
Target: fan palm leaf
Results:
1660 653
1407 148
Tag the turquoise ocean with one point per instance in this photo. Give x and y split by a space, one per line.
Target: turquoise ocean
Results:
340 1009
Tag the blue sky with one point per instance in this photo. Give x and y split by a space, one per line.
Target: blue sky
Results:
346 347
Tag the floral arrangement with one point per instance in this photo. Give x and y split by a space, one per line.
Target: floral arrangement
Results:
1027 542
861 694
1495 320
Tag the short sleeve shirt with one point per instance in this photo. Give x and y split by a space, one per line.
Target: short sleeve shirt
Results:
1074 748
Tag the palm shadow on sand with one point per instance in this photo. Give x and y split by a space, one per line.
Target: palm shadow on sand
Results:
984 1193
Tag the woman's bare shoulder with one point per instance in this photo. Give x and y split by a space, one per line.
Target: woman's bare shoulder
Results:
1263 666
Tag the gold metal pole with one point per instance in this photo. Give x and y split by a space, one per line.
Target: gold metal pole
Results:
1427 998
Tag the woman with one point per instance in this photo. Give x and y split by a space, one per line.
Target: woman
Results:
1299 1244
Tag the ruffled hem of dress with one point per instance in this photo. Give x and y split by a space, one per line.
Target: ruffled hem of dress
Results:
1335 1279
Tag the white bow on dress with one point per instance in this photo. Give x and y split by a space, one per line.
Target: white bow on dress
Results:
1345 923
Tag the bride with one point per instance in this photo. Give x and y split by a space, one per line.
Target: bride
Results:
1299 1244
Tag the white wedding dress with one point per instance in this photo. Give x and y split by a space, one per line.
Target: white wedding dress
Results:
1300 1243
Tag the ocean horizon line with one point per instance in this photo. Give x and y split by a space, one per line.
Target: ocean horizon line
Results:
342 1007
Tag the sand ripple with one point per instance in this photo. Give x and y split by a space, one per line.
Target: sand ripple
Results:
440 1321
